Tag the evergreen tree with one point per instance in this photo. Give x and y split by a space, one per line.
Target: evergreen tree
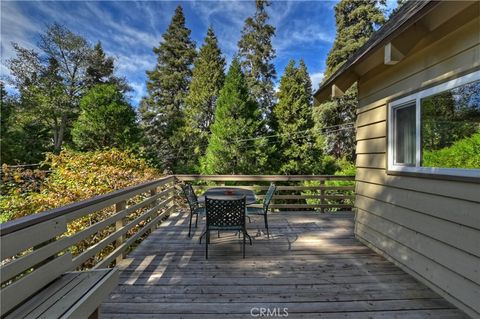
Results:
23 137
256 54
234 146
297 153
101 69
167 87
208 76
355 21
106 120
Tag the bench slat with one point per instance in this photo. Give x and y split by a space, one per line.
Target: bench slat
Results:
91 301
17 292
13 243
56 307
48 293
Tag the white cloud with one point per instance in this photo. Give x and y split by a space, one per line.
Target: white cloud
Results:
134 63
316 79
15 27
227 18
139 91
300 33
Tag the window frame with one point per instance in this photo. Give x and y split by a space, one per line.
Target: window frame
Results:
415 99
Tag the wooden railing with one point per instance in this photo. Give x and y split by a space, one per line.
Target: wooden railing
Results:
294 192
115 222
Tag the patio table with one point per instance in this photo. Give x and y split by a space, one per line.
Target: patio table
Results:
229 193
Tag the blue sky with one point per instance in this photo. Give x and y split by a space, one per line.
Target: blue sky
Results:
129 30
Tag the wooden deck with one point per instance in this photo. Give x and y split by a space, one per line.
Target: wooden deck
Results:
312 265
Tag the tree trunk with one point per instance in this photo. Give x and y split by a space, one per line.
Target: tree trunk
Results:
59 135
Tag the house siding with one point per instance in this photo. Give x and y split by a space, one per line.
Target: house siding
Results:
428 227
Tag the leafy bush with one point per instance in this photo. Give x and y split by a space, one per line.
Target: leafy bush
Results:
76 176
464 153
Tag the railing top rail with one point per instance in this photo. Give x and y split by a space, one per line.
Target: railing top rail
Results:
262 178
30 220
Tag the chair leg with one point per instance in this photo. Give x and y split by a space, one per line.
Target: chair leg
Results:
244 245
249 237
207 241
218 234
249 219
196 221
204 233
190 225
266 226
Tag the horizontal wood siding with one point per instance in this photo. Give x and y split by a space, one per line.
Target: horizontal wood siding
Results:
429 227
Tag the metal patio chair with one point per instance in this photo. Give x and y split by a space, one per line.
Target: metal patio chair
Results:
264 209
225 215
195 208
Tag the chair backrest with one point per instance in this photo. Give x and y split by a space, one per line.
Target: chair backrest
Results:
225 213
268 197
190 195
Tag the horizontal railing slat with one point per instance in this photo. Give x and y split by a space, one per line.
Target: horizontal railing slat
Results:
21 240
23 263
93 250
263 178
284 188
333 197
120 249
308 206
77 209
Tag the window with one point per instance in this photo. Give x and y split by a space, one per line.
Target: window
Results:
437 131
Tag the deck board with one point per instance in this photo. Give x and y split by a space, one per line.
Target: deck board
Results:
311 264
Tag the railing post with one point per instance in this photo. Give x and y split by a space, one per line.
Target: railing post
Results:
119 225
153 192
322 194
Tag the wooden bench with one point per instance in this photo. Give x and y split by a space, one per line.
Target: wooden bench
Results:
36 277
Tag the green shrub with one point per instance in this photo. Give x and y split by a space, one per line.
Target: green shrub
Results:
464 153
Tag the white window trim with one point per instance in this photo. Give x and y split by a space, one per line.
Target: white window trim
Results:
416 97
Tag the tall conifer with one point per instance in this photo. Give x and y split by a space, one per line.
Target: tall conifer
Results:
207 80
234 145
297 153
100 69
256 54
356 21
167 86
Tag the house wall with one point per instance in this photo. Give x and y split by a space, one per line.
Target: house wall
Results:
428 227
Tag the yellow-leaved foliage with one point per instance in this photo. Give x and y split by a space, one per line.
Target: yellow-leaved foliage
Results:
74 176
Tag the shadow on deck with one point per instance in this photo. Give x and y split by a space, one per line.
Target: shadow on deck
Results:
311 266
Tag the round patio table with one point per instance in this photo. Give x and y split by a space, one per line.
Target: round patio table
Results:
229 193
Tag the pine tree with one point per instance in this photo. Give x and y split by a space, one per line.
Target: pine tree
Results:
208 76
234 146
106 120
356 21
100 69
167 86
256 54
297 153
